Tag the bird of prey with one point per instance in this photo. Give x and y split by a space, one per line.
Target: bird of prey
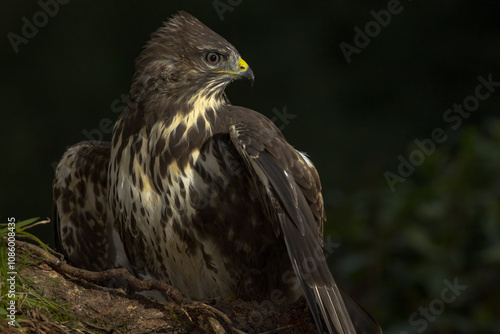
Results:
203 195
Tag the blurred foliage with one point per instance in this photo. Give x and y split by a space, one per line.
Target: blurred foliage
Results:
443 223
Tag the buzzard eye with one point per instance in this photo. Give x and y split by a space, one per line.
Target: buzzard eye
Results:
212 58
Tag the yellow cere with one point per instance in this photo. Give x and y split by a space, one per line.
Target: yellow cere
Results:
242 65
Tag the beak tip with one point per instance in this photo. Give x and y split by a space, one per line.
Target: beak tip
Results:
248 74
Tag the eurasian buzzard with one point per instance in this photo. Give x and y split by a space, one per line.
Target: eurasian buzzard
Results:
201 194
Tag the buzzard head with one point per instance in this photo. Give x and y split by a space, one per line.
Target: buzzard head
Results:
184 59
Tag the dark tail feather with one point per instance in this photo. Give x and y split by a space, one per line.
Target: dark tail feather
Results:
361 319
321 292
333 310
303 238
329 304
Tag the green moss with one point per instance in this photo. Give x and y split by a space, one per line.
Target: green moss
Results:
26 296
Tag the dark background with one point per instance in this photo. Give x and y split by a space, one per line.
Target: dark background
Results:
354 120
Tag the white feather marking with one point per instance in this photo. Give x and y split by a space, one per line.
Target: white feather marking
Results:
117 255
306 159
260 173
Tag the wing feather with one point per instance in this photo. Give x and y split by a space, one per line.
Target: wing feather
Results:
290 186
81 214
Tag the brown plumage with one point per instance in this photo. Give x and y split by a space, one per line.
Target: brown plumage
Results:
203 195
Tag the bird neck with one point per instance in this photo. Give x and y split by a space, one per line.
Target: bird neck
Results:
187 130
178 127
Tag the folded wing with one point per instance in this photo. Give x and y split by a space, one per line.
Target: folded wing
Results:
290 187
81 214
